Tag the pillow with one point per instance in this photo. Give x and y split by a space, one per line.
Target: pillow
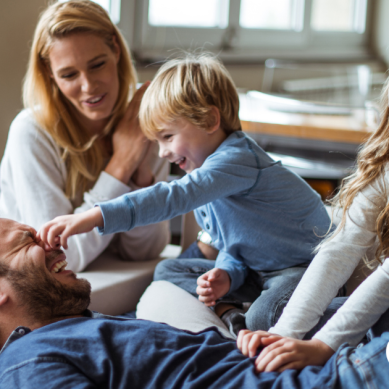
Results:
165 302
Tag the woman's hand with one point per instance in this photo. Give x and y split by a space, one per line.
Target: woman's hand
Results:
129 144
55 233
287 353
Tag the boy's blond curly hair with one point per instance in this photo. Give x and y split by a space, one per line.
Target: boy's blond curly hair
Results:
188 88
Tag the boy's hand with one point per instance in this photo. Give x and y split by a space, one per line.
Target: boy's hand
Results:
212 285
56 232
248 341
287 353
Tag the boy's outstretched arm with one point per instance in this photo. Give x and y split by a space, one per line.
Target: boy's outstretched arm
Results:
56 232
212 285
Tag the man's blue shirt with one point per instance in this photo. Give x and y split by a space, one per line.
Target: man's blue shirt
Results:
107 352
258 213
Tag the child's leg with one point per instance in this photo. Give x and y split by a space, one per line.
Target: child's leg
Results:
278 287
183 272
191 252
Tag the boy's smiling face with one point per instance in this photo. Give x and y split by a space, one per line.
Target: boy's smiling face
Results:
187 145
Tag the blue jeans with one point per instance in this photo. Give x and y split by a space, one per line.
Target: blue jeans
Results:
363 367
268 291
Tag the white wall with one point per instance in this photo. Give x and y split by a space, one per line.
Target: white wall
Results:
17 23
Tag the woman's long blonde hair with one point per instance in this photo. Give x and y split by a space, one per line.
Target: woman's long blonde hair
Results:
371 162
83 156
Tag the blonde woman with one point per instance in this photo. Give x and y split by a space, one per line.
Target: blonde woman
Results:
78 140
363 232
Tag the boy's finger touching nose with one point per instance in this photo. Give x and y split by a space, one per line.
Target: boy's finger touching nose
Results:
48 247
42 244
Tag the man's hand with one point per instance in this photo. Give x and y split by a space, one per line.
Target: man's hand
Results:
212 285
287 353
56 232
248 341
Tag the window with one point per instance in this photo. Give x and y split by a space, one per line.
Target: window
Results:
335 15
201 13
247 29
111 6
275 15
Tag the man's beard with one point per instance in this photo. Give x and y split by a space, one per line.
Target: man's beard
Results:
46 298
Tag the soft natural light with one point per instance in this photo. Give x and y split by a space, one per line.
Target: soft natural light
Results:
274 14
111 6
189 13
336 15
104 3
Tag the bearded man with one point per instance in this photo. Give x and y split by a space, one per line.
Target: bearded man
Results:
49 339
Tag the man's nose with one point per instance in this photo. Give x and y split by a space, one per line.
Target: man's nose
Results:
44 245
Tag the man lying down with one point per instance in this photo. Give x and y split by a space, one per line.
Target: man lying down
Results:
50 340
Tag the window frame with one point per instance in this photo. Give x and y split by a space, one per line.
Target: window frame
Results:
150 43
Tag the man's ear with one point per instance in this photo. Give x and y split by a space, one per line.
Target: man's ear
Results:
213 120
3 298
5 289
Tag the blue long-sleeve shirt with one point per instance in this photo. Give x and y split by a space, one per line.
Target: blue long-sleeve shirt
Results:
98 351
258 213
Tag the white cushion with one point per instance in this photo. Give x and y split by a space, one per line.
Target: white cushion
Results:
116 284
164 302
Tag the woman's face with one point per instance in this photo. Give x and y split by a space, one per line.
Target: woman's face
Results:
85 70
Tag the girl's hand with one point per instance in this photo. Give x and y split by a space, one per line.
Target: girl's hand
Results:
287 353
212 285
129 144
248 341
56 232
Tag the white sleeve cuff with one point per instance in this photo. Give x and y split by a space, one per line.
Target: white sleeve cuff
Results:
108 187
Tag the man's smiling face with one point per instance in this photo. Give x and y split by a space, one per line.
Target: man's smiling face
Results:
37 274
20 248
